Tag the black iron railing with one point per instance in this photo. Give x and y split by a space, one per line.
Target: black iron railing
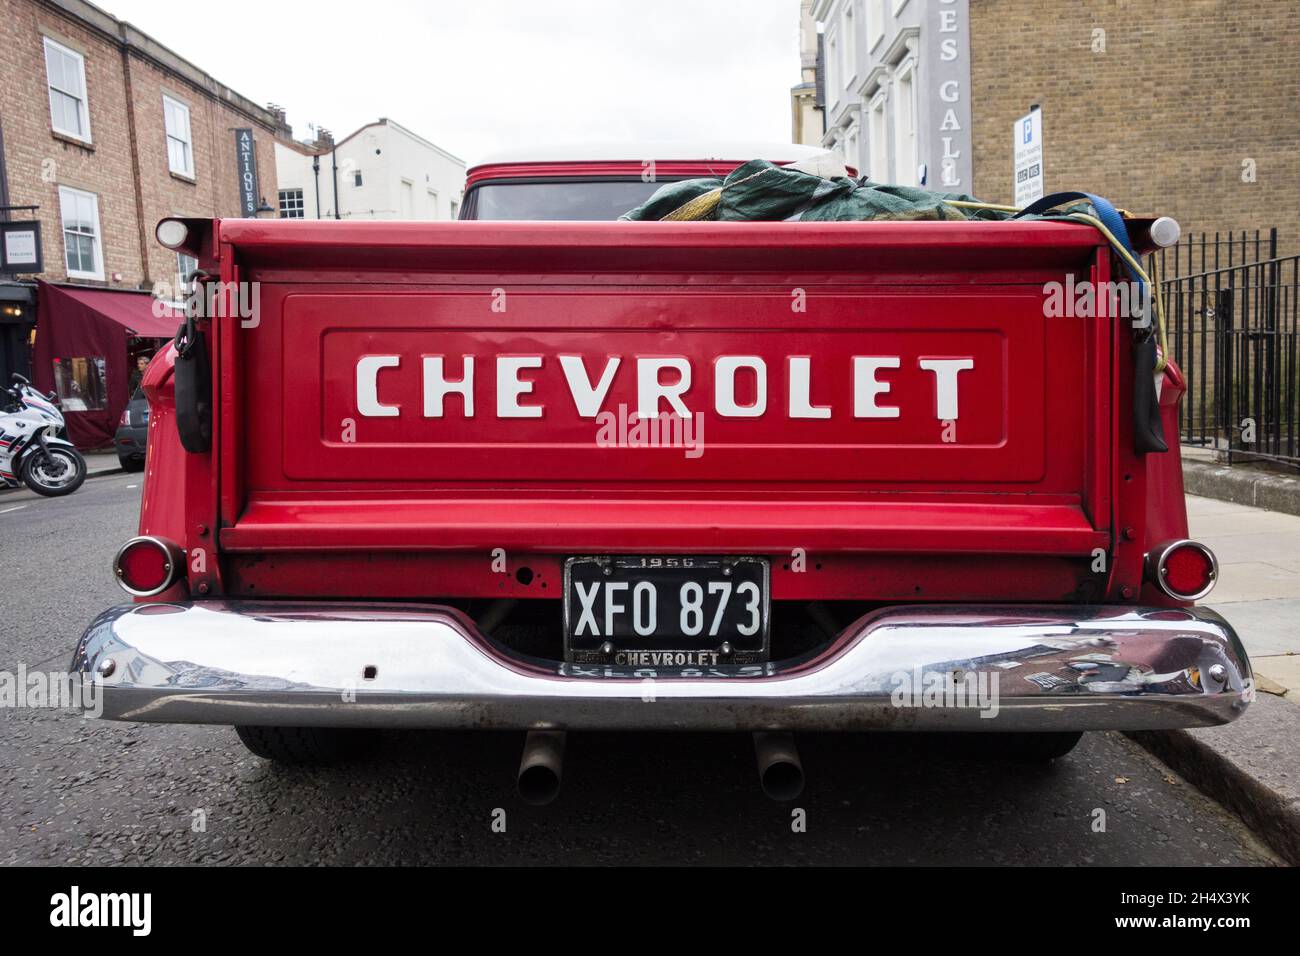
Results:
1206 252
1234 329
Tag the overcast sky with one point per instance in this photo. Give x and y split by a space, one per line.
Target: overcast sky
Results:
474 76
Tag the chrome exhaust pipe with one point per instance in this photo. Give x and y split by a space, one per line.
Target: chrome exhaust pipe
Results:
780 772
541 767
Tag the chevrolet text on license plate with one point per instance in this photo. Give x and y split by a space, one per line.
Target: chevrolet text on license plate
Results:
666 610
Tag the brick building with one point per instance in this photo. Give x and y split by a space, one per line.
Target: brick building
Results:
107 131
1184 109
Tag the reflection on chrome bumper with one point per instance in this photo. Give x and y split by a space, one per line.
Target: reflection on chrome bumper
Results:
901 668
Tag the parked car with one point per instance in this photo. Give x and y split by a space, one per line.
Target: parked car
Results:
132 434
429 485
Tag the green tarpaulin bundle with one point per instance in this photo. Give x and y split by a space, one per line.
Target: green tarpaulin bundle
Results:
763 191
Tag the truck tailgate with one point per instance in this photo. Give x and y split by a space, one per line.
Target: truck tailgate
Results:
825 409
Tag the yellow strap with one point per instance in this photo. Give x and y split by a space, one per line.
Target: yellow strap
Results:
979 205
1159 306
701 207
1157 303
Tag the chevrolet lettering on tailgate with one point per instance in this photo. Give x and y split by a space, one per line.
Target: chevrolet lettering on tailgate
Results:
588 389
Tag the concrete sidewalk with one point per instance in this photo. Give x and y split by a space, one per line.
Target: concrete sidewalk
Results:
105 463
1259 584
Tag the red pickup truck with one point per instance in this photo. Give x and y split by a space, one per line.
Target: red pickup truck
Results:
531 472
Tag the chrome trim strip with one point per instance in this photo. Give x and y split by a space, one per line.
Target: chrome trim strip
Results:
1053 668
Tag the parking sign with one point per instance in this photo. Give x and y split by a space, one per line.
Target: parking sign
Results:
1027 152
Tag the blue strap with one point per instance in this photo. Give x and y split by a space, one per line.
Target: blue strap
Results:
1107 213
1148 432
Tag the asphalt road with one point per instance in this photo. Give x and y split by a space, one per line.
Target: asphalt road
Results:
81 791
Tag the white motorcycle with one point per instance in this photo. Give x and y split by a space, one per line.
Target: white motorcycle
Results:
30 450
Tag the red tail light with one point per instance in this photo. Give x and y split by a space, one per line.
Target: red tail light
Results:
126 417
1185 570
146 566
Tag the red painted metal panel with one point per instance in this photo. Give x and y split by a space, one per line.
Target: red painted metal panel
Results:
1030 472
161 502
1129 473
663 169
917 252
836 576
549 524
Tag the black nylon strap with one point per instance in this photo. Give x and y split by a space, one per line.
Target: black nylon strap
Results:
1148 429
193 388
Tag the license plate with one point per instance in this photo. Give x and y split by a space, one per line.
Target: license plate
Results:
666 611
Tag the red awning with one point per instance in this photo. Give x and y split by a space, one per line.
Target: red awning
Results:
92 329
134 311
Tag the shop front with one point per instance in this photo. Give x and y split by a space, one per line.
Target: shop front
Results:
17 322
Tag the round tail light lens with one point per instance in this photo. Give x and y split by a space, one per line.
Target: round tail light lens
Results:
146 566
1185 570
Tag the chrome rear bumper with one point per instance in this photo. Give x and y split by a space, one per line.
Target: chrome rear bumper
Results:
1034 668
